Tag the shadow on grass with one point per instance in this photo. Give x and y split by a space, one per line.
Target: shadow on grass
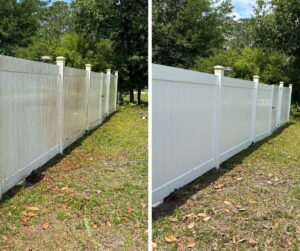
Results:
37 175
181 195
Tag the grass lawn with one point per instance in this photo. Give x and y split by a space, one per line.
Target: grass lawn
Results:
251 203
94 198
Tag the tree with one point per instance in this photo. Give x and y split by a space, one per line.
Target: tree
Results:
271 66
55 20
277 27
186 29
18 23
124 22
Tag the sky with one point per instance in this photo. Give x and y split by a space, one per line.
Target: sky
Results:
243 8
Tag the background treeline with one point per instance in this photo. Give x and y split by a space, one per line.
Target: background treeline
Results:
105 33
198 34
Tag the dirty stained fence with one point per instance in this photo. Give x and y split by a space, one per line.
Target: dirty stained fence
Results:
44 108
200 120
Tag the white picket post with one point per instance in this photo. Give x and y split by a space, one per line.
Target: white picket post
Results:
270 111
60 61
289 102
88 68
219 72
108 73
254 106
279 102
116 90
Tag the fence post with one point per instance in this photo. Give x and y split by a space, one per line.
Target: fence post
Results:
108 72
60 62
279 102
289 104
88 68
271 110
254 106
116 91
219 72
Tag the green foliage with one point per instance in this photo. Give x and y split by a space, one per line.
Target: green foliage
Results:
18 23
277 27
186 29
124 23
77 50
271 66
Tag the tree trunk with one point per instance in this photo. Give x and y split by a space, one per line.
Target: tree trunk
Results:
131 95
139 95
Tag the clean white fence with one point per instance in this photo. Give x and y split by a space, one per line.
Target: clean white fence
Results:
43 109
199 120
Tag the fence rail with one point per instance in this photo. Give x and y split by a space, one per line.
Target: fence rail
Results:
200 120
44 108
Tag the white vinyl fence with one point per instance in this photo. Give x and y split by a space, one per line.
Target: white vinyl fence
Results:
43 109
200 120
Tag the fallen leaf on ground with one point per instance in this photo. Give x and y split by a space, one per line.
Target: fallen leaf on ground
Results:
202 215
233 240
171 238
219 186
95 226
252 241
206 218
173 219
154 245
227 202
108 224
191 243
130 209
31 214
45 225
191 225
226 211
4 237
180 247
24 222
241 240
266 226
32 208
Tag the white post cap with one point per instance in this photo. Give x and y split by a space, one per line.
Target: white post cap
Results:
60 58
88 67
219 70
108 71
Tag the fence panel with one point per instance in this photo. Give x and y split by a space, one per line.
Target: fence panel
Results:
285 105
94 103
263 106
235 116
74 96
103 97
200 120
182 143
28 124
112 90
